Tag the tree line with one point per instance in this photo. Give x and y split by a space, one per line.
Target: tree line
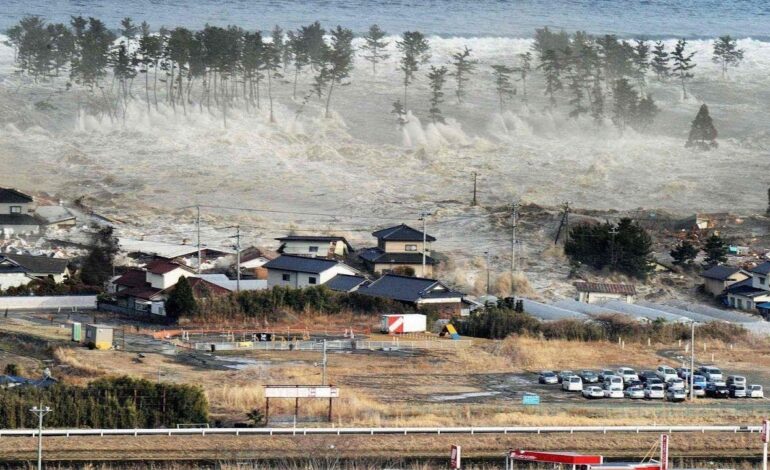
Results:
121 402
602 77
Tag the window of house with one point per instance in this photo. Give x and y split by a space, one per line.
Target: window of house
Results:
286 277
410 247
740 303
313 249
761 279
311 280
15 209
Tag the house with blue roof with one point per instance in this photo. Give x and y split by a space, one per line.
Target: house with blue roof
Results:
400 247
419 293
302 271
752 293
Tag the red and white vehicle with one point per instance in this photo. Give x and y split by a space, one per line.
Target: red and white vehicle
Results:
403 323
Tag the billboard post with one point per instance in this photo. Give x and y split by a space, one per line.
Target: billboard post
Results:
664 452
456 457
765 440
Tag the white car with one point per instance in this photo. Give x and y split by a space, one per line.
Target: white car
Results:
755 391
572 384
593 392
627 374
636 392
613 391
712 374
666 373
654 391
613 380
699 390
675 395
735 380
675 384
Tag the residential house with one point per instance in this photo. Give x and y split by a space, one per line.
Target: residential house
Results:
718 278
19 270
751 293
597 292
17 213
162 274
418 292
145 291
315 246
302 271
346 283
400 247
56 216
253 258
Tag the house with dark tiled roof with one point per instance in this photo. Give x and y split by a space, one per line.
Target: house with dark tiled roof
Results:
302 271
595 292
17 212
400 248
146 290
19 270
718 278
752 293
315 246
346 283
417 292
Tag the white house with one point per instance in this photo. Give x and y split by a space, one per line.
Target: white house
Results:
162 274
595 292
747 294
315 246
17 213
302 271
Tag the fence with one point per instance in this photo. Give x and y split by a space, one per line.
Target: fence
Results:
86 302
444 344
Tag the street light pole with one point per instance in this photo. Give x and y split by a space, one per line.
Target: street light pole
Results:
40 411
487 253
692 361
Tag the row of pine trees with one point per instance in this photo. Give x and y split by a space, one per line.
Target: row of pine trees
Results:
601 77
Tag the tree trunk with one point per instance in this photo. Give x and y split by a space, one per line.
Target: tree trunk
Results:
329 98
270 94
147 87
155 85
296 75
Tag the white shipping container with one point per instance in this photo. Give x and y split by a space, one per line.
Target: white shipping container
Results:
403 323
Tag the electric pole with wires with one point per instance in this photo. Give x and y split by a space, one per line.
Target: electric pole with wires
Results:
424 217
514 223
40 411
237 258
563 224
198 225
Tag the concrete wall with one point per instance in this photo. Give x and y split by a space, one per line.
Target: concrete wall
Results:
300 280
13 280
323 249
400 247
594 297
48 302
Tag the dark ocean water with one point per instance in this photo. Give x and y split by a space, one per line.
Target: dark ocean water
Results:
517 18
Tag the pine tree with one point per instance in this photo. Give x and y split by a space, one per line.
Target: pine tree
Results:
641 62
503 85
726 53
279 45
597 102
374 46
646 111
703 134
315 46
299 52
98 264
340 60
684 253
682 64
181 301
271 64
523 69
399 111
624 103
436 78
659 62
414 50
464 66
551 68
715 249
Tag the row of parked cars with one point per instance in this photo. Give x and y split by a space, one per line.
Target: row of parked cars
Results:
662 383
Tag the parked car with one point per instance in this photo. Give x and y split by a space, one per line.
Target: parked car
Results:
613 380
572 384
711 373
635 392
755 391
654 381
604 373
715 390
675 384
699 390
565 374
665 373
654 391
589 377
627 374
646 375
675 395
737 391
593 392
698 379
613 391
634 383
683 372
736 380
548 377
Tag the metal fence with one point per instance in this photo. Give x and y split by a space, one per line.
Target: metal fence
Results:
444 345
379 431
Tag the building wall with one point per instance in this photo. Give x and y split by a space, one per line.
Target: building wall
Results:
714 287
386 268
300 280
597 297
48 302
324 249
27 208
13 280
164 281
745 303
760 281
400 247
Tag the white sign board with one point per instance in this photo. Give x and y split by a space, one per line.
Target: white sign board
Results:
456 457
765 431
291 391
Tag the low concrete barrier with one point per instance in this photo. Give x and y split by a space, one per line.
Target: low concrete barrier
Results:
80 302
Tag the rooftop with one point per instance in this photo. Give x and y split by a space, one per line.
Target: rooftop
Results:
408 289
376 255
762 269
38 264
605 288
13 196
400 233
345 282
163 266
720 273
301 264
132 278
314 238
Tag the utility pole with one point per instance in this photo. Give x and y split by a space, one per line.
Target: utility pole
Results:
487 253
563 223
613 232
513 238
198 224
237 258
473 203
323 365
424 216
40 411
692 361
